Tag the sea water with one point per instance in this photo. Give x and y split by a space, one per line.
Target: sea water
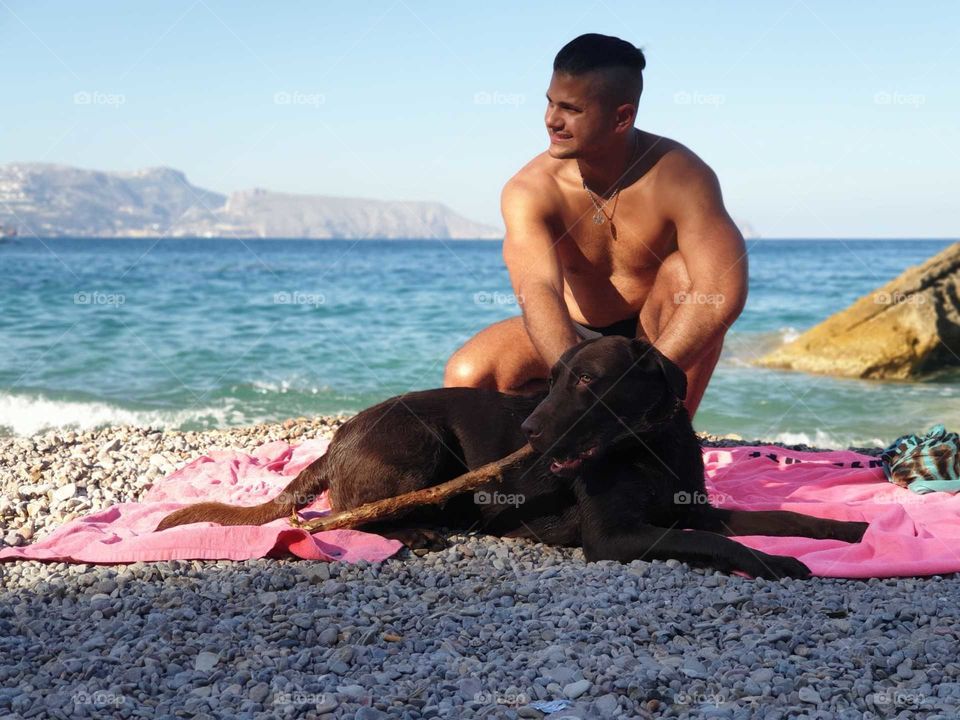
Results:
201 333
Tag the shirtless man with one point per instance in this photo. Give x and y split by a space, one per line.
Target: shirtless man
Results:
612 230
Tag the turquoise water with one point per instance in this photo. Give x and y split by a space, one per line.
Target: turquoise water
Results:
202 333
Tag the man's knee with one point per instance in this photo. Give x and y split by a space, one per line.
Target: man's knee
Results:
463 371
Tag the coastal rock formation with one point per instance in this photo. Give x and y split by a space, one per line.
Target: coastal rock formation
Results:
59 201
905 329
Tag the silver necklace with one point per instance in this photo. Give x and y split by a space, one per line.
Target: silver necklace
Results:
600 213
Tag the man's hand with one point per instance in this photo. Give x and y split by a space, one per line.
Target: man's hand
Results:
531 258
713 251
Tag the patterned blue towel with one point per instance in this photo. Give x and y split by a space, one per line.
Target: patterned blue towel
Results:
925 463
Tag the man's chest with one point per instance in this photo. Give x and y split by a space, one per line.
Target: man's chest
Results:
626 237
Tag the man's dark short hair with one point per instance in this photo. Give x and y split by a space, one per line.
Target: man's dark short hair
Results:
592 52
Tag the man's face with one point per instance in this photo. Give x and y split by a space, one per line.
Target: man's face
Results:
578 120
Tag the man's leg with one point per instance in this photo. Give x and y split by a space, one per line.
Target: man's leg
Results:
672 278
500 357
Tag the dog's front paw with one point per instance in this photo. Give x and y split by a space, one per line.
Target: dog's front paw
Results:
419 540
852 532
775 567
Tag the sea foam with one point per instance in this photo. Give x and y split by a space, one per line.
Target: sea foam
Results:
30 414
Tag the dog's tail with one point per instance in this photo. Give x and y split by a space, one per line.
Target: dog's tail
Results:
301 491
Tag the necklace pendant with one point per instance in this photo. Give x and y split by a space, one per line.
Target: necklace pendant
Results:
598 218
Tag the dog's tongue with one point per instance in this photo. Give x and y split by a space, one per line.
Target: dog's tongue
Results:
566 467
563 466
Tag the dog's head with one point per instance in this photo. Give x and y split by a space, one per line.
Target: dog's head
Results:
602 392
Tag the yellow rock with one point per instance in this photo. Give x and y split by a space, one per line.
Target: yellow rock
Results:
905 329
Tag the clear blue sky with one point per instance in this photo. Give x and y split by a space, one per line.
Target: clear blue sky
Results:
822 119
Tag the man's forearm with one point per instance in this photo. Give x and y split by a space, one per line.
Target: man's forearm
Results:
548 323
692 331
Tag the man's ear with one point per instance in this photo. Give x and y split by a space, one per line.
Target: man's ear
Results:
626 116
675 377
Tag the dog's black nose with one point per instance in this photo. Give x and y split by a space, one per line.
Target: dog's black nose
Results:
531 429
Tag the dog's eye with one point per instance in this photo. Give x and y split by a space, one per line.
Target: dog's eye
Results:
584 379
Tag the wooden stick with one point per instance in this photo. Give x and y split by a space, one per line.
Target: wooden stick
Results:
384 509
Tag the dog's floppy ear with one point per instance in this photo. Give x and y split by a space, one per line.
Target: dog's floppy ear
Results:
676 378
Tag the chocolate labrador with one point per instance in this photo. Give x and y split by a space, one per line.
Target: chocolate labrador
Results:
618 469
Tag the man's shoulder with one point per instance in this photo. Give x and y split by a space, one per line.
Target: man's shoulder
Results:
677 164
683 182
534 182
538 174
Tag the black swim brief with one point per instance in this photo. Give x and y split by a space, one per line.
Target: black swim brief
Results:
626 328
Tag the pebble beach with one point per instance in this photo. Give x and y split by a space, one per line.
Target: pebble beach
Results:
487 628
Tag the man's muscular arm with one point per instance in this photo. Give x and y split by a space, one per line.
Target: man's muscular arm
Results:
713 251
530 256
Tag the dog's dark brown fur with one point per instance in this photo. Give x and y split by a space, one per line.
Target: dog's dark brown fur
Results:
620 470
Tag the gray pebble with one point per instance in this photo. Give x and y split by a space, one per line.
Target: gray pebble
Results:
328 636
206 661
354 692
369 713
576 689
258 693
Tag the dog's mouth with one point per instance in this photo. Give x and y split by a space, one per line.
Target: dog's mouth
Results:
570 465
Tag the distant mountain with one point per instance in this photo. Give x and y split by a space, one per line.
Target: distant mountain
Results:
56 200
262 213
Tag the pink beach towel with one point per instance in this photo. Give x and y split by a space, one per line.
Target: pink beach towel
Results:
909 534
125 532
